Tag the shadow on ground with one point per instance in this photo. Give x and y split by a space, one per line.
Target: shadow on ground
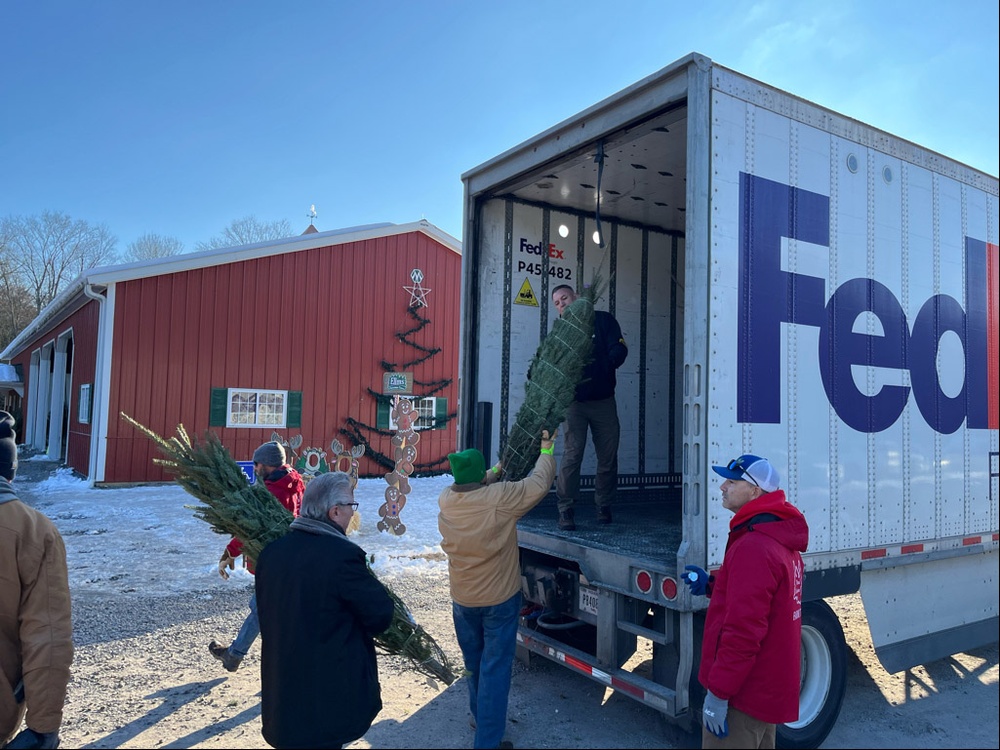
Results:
173 698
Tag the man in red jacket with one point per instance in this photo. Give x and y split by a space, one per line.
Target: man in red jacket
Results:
286 484
751 648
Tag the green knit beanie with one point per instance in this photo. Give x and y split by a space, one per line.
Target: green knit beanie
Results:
468 467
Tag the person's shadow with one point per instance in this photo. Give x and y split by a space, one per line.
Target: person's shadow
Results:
172 699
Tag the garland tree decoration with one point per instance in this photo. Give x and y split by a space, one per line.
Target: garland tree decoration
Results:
555 371
360 433
233 507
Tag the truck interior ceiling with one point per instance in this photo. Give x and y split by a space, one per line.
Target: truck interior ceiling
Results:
637 173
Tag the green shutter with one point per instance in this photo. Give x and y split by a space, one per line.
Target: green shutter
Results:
382 414
218 407
294 409
440 413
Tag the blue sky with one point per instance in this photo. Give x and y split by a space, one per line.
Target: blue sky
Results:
179 117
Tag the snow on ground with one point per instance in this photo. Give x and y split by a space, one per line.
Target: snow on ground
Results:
144 540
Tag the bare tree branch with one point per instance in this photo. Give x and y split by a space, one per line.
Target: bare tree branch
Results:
247 231
16 310
150 245
47 252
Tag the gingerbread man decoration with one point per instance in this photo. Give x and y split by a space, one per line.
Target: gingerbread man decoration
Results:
404 444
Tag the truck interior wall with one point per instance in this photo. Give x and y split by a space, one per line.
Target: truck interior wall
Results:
642 273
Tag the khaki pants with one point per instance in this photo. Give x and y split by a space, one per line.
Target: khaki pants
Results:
601 418
744 732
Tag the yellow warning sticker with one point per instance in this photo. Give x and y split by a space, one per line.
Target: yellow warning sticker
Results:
525 296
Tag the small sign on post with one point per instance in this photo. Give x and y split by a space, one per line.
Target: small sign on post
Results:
247 468
397 383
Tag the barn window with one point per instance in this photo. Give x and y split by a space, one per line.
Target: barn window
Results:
427 409
255 407
432 414
248 408
83 410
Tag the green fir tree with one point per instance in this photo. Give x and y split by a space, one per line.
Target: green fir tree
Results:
555 371
233 507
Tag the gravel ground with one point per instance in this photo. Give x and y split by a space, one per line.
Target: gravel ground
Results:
143 678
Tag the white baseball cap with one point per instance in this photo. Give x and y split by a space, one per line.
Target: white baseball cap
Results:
753 469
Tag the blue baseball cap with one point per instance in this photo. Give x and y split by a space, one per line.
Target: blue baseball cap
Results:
753 469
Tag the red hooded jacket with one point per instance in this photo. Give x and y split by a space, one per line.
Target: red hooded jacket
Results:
751 649
285 484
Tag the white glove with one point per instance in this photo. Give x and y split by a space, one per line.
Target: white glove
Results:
714 712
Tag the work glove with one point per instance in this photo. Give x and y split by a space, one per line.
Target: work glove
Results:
697 579
29 738
714 711
226 561
548 442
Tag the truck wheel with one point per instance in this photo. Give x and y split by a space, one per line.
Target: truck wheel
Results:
824 678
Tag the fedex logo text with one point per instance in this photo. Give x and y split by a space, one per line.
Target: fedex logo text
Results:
769 297
552 251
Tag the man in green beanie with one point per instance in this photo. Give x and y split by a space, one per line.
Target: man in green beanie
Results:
478 524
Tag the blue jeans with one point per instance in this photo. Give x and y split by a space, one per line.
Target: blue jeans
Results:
487 637
248 631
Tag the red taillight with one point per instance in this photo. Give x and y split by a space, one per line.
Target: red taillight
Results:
669 588
644 581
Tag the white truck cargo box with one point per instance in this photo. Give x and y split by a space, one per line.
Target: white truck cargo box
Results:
791 283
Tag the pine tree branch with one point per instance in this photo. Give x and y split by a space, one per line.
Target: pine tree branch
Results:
232 506
553 375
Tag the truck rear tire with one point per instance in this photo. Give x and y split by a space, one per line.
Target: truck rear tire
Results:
824 678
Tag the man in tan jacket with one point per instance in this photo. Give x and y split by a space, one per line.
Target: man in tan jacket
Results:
478 524
36 632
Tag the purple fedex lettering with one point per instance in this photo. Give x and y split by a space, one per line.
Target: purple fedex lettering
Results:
769 296
841 348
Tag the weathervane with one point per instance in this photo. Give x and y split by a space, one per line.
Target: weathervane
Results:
312 213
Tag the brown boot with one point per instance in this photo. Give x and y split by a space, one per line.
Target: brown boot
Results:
229 660
566 522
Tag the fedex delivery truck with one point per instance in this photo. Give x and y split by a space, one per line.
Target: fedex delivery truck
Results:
791 283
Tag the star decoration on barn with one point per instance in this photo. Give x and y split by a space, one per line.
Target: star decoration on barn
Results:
418 294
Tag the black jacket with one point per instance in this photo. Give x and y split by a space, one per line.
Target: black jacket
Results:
608 354
319 609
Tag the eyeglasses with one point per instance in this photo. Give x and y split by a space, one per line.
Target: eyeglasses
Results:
353 506
737 465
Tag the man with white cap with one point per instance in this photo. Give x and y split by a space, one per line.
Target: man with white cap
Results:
751 646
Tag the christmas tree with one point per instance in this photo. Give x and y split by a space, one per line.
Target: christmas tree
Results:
249 512
555 371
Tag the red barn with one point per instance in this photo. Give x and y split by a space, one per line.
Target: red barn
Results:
292 337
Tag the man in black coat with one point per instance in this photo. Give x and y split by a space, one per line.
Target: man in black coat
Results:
594 408
319 608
